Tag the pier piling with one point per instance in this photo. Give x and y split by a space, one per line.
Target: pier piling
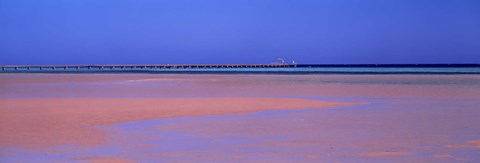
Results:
145 67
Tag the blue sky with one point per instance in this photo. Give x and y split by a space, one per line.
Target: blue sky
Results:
239 31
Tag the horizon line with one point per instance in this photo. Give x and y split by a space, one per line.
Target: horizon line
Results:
202 64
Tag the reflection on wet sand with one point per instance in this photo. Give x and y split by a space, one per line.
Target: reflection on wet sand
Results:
239 118
61 121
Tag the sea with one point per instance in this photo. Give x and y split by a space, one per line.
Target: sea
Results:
288 69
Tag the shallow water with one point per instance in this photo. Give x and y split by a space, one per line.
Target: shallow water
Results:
393 118
270 70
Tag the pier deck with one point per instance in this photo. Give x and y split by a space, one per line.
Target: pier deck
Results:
140 67
252 68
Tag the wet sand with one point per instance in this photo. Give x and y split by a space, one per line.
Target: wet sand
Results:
170 85
239 118
63 121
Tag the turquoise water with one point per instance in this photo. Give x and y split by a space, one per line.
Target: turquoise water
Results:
300 70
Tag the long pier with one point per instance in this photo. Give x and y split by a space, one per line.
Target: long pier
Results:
140 67
251 68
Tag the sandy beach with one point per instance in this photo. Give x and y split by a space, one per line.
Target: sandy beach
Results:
239 118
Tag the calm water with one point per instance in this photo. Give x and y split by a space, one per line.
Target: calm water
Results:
300 70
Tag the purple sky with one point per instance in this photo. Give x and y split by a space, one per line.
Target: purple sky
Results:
239 31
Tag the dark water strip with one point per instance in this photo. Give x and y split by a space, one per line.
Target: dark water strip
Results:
304 69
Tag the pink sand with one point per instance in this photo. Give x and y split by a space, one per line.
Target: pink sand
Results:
402 118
